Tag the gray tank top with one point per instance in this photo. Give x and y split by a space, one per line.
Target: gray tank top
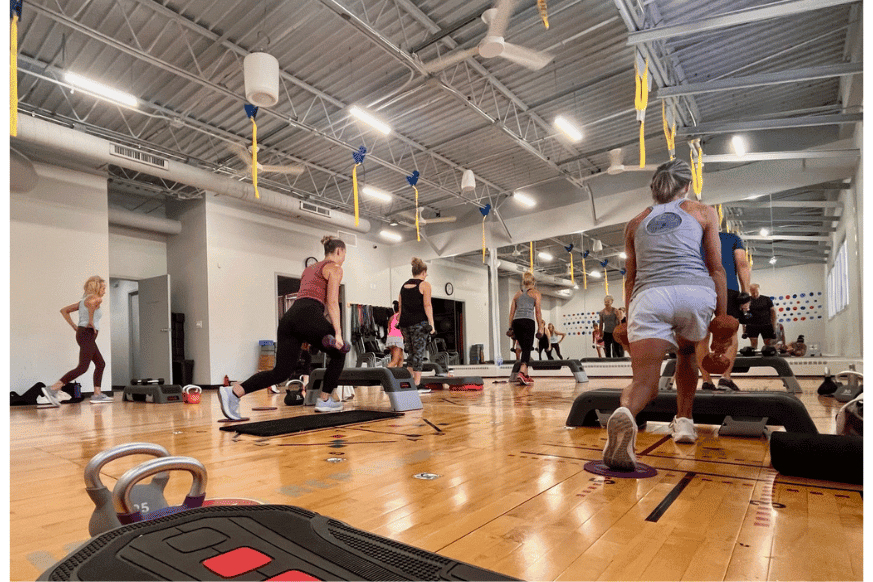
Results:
667 244
83 315
525 307
609 321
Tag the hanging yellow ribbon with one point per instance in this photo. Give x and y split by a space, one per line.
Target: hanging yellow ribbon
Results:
13 77
605 282
749 257
572 278
417 229
483 237
544 12
623 284
696 167
255 157
355 190
720 215
584 274
669 131
641 101
531 256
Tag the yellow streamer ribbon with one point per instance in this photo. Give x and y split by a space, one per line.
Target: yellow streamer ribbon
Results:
483 238
584 274
355 190
697 168
13 78
623 283
544 12
605 283
531 257
417 231
572 278
669 131
642 144
720 214
749 257
641 101
255 157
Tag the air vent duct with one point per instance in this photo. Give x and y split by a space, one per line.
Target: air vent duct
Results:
138 156
314 209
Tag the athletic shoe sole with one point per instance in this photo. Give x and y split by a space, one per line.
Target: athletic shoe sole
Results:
224 410
50 396
618 454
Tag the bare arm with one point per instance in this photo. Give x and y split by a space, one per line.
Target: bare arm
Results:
512 308
562 334
92 303
428 308
744 270
630 263
334 278
540 326
66 311
773 316
712 258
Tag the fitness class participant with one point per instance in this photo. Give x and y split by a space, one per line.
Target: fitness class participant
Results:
618 349
608 321
524 313
416 316
762 318
86 336
556 337
797 348
736 268
394 339
597 341
304 322
673 292
543 343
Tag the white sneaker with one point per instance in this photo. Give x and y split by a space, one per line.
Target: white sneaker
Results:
621 438
274 389
51 396
229 403
329 405
683 430
101 399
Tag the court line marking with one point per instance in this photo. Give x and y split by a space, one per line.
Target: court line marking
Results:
670 498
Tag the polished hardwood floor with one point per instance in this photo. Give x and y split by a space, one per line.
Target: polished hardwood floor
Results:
512 494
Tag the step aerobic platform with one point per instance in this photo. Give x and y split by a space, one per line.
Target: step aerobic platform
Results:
742 365
153 393
254 542
396 382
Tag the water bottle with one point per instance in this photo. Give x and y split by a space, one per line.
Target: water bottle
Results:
499 360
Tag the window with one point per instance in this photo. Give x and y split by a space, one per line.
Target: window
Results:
838 283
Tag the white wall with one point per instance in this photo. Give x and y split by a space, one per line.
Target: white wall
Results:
136 254
58 238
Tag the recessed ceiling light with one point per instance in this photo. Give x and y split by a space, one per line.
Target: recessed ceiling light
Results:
568 128
524 199
370 120
596 274
622 255
764 232
101 90
772 260
545 256
391 235
739 144
377 193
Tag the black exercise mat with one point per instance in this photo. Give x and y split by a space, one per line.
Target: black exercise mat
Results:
308 422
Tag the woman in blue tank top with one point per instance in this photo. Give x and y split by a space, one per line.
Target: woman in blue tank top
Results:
86 336
673 293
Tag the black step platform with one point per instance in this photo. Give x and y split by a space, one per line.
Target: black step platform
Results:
575 367
255 542
454 381
153 393
742 365
396 382
779 408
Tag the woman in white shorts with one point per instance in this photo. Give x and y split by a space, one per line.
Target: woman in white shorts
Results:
674 292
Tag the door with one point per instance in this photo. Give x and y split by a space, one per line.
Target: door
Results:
155 352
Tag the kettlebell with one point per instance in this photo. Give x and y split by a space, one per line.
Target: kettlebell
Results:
829 385
147 496
125 510
191 394
768 351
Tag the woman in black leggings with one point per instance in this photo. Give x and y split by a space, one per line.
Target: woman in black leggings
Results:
304 322
524 313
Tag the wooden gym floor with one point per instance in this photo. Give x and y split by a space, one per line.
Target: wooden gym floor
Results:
511 496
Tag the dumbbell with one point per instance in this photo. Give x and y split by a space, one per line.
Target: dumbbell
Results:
125 509
829 386
330 343
427 328
768 351
145 496
722 328
747 351
510 333
619 334
743 298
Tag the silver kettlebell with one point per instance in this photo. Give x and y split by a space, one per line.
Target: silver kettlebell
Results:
146 496
121 494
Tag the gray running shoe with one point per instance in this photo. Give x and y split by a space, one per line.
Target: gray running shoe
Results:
51 396
329 405
101 399
229 402
621 438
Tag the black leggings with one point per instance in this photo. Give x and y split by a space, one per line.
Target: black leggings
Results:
524 330
557 351
86 337
543 344
303 322
610 346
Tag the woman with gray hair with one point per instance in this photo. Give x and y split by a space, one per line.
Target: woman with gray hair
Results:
673 293
608 320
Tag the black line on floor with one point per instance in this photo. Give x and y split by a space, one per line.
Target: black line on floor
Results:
435 427
671 497
656 445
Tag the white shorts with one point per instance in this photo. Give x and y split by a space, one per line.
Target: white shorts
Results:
394 341
670 312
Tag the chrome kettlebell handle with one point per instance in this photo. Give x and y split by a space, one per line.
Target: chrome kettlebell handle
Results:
191 387
92 469
124 485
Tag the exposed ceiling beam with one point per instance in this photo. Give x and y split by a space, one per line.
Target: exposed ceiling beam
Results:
778 10
768 156
764 203
779 77
766 124
786 237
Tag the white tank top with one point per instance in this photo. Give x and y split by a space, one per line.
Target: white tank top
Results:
83 314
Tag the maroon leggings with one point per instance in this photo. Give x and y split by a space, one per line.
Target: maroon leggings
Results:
86 337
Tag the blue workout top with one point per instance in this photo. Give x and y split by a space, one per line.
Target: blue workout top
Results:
83 314
729 243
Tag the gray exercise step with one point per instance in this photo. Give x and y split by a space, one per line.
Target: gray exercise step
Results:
396 382
742 365
154 393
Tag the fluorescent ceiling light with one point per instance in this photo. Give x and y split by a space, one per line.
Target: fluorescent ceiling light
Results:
622 255
576 286
391 235
101 90
764 232
595 274
545 256
569 129
377 193
740 147
524 199
370 120
772 260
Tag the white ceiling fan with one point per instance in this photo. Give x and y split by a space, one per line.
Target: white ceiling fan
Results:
245 154
493 44
616 165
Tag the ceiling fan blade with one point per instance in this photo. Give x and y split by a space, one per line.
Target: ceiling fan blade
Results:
500 18
292 170
526 57
452 58
242 153
441 219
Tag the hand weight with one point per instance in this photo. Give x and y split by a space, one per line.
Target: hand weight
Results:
121 494
146 496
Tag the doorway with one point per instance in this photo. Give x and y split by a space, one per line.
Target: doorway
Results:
448 319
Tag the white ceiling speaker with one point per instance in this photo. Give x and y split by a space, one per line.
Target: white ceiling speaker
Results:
616 164
493 44
596 246
468 181
245 154
261 79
